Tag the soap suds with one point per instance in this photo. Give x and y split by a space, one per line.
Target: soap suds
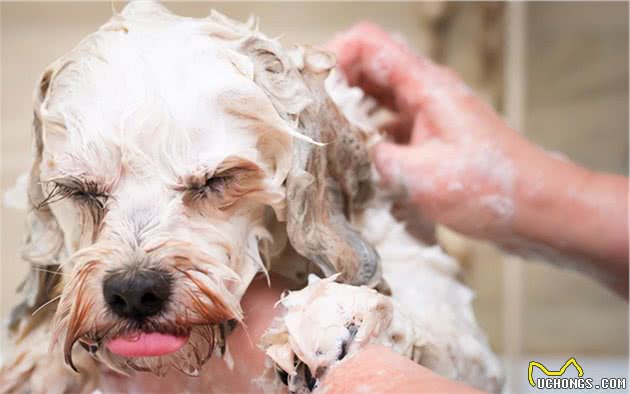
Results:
502 206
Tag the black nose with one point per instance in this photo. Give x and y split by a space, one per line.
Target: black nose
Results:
137 295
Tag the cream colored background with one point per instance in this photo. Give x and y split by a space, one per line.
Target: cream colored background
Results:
577 102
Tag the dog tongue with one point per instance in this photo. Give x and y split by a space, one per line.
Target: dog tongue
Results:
146 344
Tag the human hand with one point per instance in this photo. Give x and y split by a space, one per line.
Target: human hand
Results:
462 166
453 155
377 369
365 368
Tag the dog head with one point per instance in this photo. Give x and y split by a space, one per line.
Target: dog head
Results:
161 142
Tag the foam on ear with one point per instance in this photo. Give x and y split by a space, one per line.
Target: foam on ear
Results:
329 176
328 185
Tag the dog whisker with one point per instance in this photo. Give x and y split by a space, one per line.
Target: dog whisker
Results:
45 305
58 272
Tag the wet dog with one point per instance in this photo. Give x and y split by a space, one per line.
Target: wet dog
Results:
174 157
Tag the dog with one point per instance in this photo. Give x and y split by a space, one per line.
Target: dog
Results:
174 160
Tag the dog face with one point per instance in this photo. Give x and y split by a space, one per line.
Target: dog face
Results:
161 143
160 155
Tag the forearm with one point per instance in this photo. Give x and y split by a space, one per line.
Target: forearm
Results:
463 167
564 211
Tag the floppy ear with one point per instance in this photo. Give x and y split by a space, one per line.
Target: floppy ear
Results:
329 184
44 240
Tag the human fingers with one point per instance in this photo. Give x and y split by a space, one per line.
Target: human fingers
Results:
385 68
398 165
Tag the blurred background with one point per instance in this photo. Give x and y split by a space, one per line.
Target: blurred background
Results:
557 70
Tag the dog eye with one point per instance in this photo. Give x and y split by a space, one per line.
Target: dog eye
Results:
217 184
90 196
212 190
233 179
95 199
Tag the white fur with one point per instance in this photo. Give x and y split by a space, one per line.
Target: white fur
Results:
151 100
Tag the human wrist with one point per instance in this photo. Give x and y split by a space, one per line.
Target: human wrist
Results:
546 195
568 214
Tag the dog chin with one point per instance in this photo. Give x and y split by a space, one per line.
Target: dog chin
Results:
159 351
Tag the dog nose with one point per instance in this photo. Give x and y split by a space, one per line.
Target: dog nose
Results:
137 295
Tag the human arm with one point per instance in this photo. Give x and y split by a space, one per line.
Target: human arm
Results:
462 166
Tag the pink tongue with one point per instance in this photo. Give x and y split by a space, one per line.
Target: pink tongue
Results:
146 344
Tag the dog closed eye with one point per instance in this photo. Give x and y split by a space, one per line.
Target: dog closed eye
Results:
233 179
84 192
215 185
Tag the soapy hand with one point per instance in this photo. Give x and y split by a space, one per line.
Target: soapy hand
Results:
462 166
450 152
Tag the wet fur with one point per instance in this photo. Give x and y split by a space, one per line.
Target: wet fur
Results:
285 164
287 140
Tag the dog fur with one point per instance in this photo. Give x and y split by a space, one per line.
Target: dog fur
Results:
200 147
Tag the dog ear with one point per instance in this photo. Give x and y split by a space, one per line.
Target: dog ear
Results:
44 240
328 183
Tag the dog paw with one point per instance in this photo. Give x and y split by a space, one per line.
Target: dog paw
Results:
326 322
